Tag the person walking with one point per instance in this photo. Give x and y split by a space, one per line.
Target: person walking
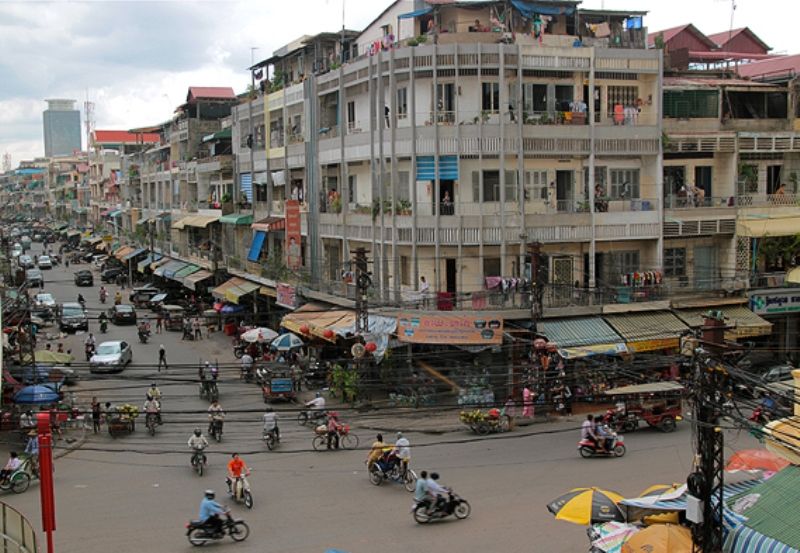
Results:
162 358
198 334
96 411
159 322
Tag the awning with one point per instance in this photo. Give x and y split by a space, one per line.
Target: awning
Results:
158 262
328 324
746 322
72 233
115 213
134 253
200 221
648 388
236 219
269 224
186 271
219 135
532 9
758 228
415 13
144 263
582 337
793 276
171 268
145 221
105 212
233 289
123 251
648 331
179 224
94 240
256 245
191 280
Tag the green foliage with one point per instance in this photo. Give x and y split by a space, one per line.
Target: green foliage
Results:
772 248
345 383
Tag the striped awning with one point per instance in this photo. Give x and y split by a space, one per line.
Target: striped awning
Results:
648 331
169 268
134 253
582 337
233 289
144 263
123 251
745 323
193 279
186 271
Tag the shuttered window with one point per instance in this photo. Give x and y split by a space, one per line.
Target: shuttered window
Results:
687 104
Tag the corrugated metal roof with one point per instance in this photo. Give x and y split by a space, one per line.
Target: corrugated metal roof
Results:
651 325
744 321
772 67
582 331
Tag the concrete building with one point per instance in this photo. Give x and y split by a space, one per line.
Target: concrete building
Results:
62 128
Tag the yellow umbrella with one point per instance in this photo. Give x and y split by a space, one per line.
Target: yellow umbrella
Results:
587 505
54 357
661 538
660 489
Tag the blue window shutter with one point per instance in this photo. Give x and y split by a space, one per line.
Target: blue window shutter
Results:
448 168
256 245
246 186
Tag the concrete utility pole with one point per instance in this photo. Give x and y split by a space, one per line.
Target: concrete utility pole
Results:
363 282
537 284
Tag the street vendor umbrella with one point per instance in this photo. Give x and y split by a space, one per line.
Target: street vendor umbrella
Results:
286 342
587 505
660 538
660 489
755 459
36 395
48 357
259 335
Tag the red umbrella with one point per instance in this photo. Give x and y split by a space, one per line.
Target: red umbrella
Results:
755 459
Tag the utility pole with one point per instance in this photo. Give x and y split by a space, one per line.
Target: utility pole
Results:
363 282
537 282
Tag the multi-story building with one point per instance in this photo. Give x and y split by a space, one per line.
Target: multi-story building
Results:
68 189
62 128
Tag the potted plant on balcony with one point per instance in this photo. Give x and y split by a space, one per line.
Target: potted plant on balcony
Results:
403 207
336 204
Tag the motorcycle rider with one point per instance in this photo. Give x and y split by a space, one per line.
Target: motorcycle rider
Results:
215 413
81 300
236 466
402 449
103 294
103 320
155 393
198 443
436 491
210 512
317 406
588 430
605 438
89 346
247 365
421 488
214 371
152 407
117 298
270 419
144 331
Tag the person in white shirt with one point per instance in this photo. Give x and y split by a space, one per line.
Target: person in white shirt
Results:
402 448
197 441
317 404
247 364
270 420
215 413
11 467
436 491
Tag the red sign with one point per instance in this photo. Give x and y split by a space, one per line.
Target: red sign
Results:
294 257
286 296
450 328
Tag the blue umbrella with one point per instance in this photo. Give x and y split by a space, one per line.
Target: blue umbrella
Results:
286 342
228 309
36 395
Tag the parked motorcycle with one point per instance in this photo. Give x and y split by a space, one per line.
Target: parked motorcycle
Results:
588 448
200 534
452 505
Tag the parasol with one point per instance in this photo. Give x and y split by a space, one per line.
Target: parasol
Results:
755 459
260 335
587 505
36 395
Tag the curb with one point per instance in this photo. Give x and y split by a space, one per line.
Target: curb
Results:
446 428
72 446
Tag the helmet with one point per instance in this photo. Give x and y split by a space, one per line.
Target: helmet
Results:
435 475
268 409
399 435
319 394
153 385
198 432
210 494
208 364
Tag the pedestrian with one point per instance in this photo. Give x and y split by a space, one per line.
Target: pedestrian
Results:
60 347
527 403
66 262
162 358
96 410
159 323
198 334
47 347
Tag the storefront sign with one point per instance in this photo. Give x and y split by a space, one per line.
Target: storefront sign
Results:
654 345
449 329
293 252
286 296
775 303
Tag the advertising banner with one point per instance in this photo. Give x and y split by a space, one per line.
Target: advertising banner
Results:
450 328
293 252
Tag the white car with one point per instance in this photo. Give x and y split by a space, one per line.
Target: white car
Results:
16 251
111 356
45 262
25 261
45 300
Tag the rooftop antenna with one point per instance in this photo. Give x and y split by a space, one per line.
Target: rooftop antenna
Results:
733 10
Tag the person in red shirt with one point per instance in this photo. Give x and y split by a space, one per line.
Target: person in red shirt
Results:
236 466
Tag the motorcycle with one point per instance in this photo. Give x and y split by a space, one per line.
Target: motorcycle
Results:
144 335
103 326
588 448
311 417
392 468
215 429
620 422
239 349
89 349
208 390
199 533
270 438
199 461
150 422
103 296
241 491
452 505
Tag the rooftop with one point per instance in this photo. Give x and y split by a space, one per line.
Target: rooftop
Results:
209 93
723 38
785 67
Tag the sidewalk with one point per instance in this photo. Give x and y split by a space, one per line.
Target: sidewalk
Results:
72 438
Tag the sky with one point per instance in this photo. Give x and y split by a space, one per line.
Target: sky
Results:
136 59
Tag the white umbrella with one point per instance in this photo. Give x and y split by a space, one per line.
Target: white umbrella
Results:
260 335
286 342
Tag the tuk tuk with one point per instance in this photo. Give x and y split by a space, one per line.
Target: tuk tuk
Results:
173 317
277 383
140 297
155 303
659 404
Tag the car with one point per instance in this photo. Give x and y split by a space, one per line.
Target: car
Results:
73 317
111 356
84 277
45 262
44 300
25 261
777 373
122 314
98 260
37 237
34 277
109 275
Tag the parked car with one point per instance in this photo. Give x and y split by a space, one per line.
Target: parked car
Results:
98 260
16 250
45 262
26 242
25 261
111 356
73 317
109 275
44 300
84 277
37 237
122 314
34 277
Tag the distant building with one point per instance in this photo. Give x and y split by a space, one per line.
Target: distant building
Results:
62 128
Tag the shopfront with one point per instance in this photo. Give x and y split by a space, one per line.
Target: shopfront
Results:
781 308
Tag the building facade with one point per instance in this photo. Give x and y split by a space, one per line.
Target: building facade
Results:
62 128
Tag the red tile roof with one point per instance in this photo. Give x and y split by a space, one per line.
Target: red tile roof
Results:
125 137
786 65
210 93
725 37
672 32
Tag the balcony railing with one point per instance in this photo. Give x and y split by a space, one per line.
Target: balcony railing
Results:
769 200
685 202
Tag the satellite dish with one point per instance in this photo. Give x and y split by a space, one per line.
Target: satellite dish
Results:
358 350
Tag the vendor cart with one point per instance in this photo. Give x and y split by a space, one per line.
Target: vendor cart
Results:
659 404
120 424
485 422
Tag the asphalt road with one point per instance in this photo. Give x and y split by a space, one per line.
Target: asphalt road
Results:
135 493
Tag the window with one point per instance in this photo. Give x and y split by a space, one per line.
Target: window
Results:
622 95
402 103
511 186
491 267
621 263
445 102
535 185
403 190
405 270
351 115
675 262
491 186
352 188
261 192
565 94
624 184
534 98
260 136
600 178
491 97
688 104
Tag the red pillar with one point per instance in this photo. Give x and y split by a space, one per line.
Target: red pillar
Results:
46 477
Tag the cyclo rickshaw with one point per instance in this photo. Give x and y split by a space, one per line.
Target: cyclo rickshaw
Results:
659 404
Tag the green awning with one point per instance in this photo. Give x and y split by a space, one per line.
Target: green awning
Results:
186 271
219 135
236 219
582 337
